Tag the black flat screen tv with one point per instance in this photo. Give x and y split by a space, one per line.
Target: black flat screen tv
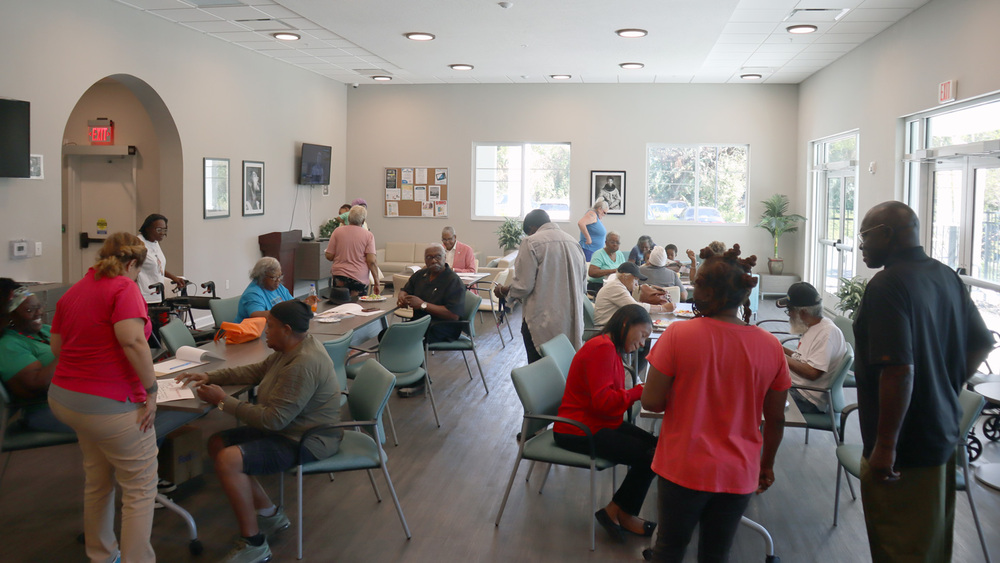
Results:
15 139
315 169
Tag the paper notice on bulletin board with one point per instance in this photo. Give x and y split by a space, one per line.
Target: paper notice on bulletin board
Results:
441 208
390 178
392 195
408 193
407 174
419 193
441 177
427 209
392 208
421 176
433 193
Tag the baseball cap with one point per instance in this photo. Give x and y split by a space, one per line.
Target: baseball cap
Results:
800 294
631 268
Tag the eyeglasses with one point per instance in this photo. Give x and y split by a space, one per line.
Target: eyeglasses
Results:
279 277
449 239
864 234
160 230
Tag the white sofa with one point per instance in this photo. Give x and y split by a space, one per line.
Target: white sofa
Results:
397 256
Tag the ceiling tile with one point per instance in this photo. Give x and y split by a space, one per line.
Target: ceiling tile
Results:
829 48
914 4
214 26
275 11
740 15
749 27
856 38
154 4
742 38
878 15
236 13
186 15
859 27
239 36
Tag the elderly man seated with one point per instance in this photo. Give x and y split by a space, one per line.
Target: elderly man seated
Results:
458 255
604 262
297 390
617 293
434 290
821 346
658 274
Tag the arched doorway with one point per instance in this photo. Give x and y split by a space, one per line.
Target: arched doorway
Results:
106 189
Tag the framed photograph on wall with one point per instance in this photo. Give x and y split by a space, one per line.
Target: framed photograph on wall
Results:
216 188
611 186
253 187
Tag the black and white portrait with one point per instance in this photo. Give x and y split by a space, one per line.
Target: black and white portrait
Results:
611 187
253 188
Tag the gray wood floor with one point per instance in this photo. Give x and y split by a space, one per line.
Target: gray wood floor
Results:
450 481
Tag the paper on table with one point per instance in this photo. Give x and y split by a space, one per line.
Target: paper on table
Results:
171 390
348 309
186 357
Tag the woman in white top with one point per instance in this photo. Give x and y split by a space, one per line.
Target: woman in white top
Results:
154 269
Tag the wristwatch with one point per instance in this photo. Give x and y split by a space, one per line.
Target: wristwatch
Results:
423 305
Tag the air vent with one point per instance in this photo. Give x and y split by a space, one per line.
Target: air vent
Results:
816 15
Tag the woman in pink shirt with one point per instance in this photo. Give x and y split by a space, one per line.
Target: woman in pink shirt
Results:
352 251
712 377
104 388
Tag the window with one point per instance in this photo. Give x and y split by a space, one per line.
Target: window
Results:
514 178
697 183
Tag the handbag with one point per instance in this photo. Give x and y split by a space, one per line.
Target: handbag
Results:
237 333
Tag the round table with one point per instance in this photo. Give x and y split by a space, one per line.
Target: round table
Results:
989 473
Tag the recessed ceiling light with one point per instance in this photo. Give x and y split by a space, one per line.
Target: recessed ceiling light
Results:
419 36
286 36
631 66
461 66
801 28
631 32
751 76
382 78
560 76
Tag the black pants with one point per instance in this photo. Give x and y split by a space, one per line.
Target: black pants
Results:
680 509
629 445
529 344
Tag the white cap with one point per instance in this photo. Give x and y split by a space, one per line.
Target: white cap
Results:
658 256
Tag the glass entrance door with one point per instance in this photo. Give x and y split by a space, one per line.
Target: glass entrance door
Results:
836 242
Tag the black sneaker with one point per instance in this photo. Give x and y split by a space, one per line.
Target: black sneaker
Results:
407 392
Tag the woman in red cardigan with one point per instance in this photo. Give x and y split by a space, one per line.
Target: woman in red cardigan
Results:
596 396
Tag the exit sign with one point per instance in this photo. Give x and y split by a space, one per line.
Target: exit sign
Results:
946 91
101 131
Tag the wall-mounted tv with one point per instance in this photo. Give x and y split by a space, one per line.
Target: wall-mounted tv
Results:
315 169
15 139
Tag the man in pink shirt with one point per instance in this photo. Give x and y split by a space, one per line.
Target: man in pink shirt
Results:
458 255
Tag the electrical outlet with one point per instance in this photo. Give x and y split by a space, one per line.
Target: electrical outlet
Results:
38 249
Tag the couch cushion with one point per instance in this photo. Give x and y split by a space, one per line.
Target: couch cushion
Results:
399 252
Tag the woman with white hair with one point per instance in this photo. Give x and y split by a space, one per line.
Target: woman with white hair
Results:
352 251
265 290
592 231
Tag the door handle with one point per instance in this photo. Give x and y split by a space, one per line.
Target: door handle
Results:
85 240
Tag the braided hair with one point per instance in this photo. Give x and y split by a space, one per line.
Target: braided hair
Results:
726 282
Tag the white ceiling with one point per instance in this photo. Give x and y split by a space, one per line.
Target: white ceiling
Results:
689 41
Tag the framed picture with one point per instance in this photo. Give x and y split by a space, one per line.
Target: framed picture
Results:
216 188
37 169
611 186
253 187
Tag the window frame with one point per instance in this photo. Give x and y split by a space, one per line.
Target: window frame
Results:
524 175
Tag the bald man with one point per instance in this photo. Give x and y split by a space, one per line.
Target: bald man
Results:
919 339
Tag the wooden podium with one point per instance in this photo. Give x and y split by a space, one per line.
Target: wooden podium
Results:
282 245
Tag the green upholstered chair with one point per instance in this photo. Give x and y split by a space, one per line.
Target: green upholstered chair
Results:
467 340
846 326
224 310
561 350
337 350
490 303
15 438
401 351
176 334
540 387
835 398
361 447
849 458
590 327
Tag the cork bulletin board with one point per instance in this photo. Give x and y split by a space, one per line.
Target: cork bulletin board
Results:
416 192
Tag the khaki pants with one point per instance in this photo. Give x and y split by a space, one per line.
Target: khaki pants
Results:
115 449
913 519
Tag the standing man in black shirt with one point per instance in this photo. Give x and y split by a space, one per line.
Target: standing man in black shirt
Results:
919 339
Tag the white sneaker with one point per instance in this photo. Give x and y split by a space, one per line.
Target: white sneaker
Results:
243 552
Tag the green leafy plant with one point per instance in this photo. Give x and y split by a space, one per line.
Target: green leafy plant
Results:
509 234
327 228
850 293
776 220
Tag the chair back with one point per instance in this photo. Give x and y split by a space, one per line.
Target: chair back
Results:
846 326
540 386
561 350
501 277
370 393
674 293
472 303
176 334
837 402
755 295
972 404
402 347
337 349
224 310
588 314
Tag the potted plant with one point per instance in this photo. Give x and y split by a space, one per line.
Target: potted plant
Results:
326 229
509 234
850 293
776 220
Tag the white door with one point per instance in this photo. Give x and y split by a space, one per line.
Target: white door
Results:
836 242
102 201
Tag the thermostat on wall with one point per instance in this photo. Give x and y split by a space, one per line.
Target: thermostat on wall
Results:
18 249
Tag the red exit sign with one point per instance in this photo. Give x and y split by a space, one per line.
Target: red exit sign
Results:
101 131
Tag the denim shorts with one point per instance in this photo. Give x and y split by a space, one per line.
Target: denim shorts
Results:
264 453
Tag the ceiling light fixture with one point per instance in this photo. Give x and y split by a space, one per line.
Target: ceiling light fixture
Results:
751 76
631 32
419 36
461 66
560 76
631 66
382 78
801 28
286 36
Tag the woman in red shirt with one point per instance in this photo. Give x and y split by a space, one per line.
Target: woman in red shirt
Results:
712 377
104 388
596 396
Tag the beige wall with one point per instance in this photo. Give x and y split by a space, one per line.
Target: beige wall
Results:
608 126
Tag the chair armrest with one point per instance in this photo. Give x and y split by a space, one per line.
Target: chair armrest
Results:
843 418
792 339
580 425
811 388
363 350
